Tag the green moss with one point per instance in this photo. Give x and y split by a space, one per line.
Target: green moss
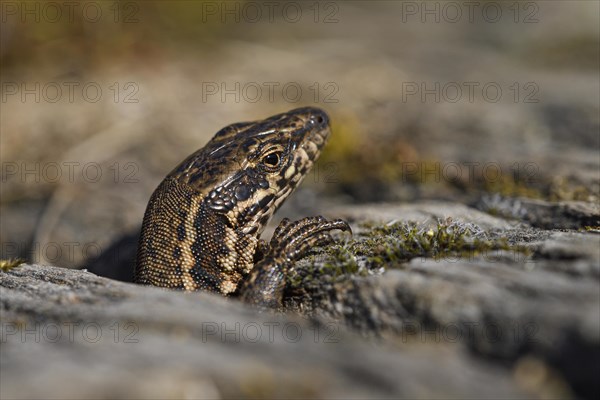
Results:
509 186
564 189
340 261
333 262
592 229
379 247
7 265
394 243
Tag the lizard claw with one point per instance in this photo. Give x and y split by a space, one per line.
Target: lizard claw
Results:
292 240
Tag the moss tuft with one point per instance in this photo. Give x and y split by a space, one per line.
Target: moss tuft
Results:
378 247
7 265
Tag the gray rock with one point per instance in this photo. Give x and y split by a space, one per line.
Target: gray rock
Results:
421 212
545 214
71 334
539 298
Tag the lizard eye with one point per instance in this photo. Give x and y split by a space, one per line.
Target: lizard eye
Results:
271 160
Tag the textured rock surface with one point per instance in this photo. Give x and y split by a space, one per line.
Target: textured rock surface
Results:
518 322
71 334
538 298
514 322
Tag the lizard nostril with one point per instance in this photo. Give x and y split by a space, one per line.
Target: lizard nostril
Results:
319 117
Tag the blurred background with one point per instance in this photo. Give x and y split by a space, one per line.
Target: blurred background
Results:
460 101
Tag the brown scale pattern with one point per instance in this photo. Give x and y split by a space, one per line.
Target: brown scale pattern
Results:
202 224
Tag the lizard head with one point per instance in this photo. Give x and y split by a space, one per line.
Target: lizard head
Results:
248 169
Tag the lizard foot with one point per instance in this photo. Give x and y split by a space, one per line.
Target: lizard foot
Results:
291 241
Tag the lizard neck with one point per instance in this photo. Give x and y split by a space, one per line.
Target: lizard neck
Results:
187 245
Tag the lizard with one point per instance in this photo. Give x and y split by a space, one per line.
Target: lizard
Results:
202 225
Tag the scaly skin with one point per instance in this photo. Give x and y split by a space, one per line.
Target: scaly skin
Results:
202 225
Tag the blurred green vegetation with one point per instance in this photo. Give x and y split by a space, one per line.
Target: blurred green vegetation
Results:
386 165
371 164
95 33
578 51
